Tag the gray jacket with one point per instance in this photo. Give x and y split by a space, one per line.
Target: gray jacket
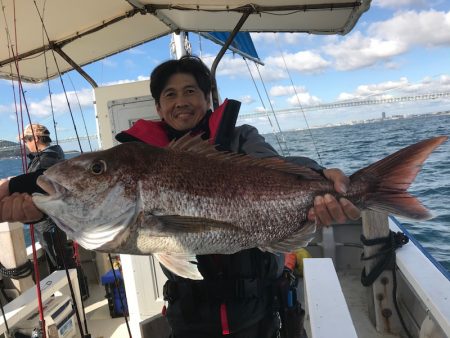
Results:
247 140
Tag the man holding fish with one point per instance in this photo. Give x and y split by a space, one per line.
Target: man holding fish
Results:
209 307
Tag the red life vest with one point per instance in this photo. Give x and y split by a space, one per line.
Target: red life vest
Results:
221 125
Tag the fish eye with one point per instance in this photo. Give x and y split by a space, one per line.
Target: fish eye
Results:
98 167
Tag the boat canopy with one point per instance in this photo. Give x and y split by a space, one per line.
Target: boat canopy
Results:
83 31
242 44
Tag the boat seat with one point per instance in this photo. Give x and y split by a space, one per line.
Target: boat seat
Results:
326 308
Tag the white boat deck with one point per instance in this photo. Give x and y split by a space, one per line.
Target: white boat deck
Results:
356 297
100 324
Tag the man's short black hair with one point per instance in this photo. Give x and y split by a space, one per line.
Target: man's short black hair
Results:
187 64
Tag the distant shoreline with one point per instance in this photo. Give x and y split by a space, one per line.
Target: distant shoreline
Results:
376 120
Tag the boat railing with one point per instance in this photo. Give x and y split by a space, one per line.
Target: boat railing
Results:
427 283
327 312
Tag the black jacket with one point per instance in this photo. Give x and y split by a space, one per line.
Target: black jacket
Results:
241 283
38 163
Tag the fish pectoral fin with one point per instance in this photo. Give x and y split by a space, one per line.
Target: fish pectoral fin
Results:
177 224
183 265
294 242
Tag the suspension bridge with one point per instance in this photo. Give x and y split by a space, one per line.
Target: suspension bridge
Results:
352 103
8 148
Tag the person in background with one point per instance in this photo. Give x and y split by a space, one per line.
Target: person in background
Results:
236 297
42 155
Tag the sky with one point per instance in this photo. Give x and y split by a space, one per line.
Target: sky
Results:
397 48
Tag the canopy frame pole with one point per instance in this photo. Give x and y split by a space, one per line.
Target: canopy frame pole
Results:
75 66
214 91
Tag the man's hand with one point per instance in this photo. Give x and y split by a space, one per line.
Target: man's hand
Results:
327 209
4 188
19 208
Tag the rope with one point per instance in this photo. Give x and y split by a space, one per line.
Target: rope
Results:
60 77
38 282
61 252
19 272
48 83
387 252
11 53
264 107
273 111
81 111
299 103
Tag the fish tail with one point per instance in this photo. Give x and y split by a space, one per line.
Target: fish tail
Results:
387 180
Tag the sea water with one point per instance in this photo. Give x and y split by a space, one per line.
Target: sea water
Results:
352 147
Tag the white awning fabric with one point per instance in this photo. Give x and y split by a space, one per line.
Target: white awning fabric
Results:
83 31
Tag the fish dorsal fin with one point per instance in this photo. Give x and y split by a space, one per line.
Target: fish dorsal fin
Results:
196 145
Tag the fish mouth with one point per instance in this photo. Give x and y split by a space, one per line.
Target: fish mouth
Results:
52 189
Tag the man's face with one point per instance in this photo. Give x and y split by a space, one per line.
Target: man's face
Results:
30 143
182 103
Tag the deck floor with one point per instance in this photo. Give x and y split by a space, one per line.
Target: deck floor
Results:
100 323
356 296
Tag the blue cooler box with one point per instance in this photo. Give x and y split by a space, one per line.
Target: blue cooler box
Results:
112 294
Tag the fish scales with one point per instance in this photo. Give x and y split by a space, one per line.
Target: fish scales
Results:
189 199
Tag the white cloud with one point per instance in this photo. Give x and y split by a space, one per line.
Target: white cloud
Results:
278 38
305 99
399 3
143 77
109 63
112 83
246 99
43 108
286 90
136 51
236 67
427 28
303 61
401 87
232 67
358 51
6 108
390 38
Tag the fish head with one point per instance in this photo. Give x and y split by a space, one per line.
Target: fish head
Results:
93 197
